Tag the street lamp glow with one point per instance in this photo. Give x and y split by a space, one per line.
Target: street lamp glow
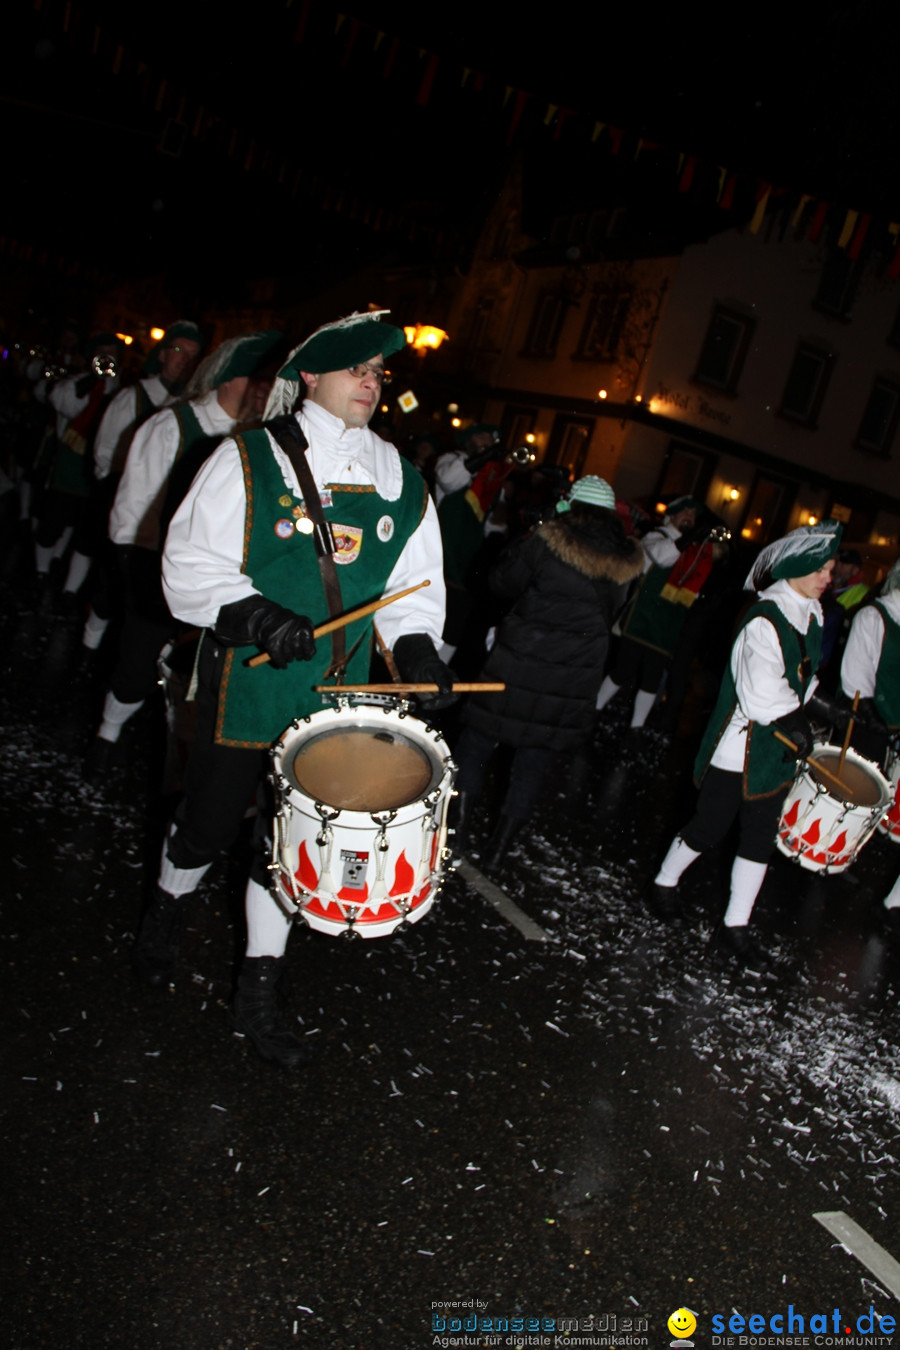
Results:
424 337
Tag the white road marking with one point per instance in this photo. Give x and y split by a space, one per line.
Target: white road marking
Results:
502 903
857 1241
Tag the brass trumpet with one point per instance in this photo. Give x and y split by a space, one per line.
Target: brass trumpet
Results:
521 454
105 366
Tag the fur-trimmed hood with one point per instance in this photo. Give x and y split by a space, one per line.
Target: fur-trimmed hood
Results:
600 550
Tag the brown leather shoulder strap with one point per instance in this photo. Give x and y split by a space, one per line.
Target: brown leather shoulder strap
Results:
289 436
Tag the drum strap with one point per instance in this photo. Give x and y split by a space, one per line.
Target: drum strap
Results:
294 444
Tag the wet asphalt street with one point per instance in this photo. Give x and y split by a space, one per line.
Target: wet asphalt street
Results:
610 1123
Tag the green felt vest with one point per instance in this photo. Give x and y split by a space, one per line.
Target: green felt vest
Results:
256 704
887 678
651 619
766 771
194 448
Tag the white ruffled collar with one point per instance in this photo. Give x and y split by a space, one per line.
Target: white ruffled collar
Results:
795 607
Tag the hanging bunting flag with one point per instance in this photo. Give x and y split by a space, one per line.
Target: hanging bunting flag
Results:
338 23
615 136
465 75
518 109
801 207
687 178
118 59
300 30
427 84
354 29
726 197
160 96
598 128
67 15
507 94
848 227
818 221
563 114
96 47
723 174
379 38
550 113
389 63
762 200
857 241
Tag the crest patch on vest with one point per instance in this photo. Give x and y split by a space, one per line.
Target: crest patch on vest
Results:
385 528
348 541
285 500
284 528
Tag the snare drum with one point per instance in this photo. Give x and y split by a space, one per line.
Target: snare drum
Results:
362 791
822 830
890 821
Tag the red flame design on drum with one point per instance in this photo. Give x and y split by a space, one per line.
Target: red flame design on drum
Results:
790 819
812 834
306 874
404 876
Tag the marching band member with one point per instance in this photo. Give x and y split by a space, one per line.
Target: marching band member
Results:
250 553
741 767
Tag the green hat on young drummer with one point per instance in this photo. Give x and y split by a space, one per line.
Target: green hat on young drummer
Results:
592 490
798 554
344 343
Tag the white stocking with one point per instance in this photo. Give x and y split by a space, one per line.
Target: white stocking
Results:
676 863
79 566
608 690
643 704
115 715
746 879
267 927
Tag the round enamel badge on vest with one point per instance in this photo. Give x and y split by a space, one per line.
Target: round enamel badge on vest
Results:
284 528
385 528
303 525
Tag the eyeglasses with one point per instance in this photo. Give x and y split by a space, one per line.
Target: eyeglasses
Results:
361 371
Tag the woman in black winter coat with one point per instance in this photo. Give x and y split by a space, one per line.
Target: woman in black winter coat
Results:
565 584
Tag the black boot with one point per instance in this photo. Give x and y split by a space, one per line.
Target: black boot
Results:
737 942
663 902
155 950
498 844
255 1012
461 819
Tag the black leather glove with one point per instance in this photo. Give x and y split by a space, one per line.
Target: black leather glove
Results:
828 710
795 725
419 663
868 716
256 621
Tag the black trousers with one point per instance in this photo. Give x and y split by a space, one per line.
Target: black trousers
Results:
220 781
640 665
529 766
720 803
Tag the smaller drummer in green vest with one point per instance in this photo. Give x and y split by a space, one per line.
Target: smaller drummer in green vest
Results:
744 772
656 613
313 514
228 388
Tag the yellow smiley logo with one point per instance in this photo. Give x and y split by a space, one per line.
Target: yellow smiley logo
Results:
682 1323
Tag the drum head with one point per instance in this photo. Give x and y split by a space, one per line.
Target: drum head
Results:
861 786
368 768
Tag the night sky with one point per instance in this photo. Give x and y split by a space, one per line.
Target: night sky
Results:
305 145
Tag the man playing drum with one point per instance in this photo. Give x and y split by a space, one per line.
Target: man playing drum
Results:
768 685
250 553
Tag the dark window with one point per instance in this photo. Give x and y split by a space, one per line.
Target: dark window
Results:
725 349
879 421
569 441
806 384
837 285
546 324
600 339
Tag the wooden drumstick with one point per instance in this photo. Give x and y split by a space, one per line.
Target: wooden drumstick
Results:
463 688
848 733
345 619
819 768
